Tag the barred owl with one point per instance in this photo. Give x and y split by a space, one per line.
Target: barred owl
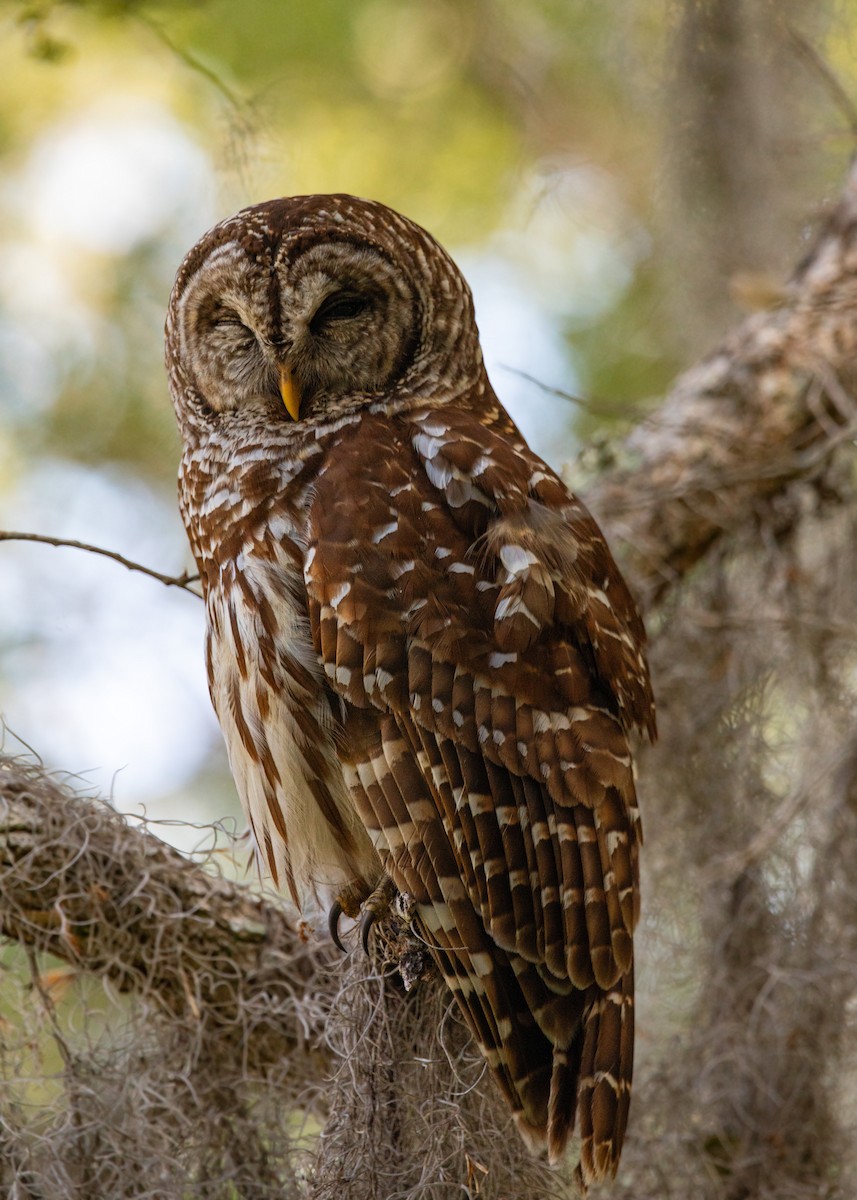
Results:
424 660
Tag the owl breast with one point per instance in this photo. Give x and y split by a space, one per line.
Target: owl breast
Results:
279 720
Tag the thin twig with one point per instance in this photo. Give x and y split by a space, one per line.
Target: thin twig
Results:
190 60
816 62
181 581
599 407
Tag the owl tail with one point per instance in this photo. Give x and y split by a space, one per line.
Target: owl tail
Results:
559 1060
605 1074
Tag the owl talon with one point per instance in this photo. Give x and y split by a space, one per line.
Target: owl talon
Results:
366 922
333 919
375 908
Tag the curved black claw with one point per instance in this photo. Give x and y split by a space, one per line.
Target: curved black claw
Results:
367 920
333 919
375 908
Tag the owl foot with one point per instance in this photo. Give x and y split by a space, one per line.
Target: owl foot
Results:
353 902
375 908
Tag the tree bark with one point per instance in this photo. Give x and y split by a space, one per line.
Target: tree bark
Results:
768 406
80 883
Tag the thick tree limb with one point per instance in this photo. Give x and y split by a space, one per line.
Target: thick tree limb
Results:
78 882
766 407
228 971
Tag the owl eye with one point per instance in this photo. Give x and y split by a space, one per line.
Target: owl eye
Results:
221 318
339 307
231 321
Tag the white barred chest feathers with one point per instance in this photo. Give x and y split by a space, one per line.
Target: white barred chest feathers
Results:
425 662
268 692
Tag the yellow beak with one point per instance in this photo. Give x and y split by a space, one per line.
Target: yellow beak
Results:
289 392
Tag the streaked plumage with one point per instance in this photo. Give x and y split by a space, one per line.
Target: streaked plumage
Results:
422 655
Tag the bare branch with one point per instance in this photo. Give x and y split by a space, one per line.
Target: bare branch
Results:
818 64
181 581
598 406
192 61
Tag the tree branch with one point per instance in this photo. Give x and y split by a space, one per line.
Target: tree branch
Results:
256 995
768 406
181 581
78 882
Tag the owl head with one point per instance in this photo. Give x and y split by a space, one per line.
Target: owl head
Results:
317 304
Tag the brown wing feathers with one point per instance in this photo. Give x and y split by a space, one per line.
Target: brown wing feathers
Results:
464 594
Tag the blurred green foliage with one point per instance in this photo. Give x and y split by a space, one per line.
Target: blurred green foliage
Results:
440 109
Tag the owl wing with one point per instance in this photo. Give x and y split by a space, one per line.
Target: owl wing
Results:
490 659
